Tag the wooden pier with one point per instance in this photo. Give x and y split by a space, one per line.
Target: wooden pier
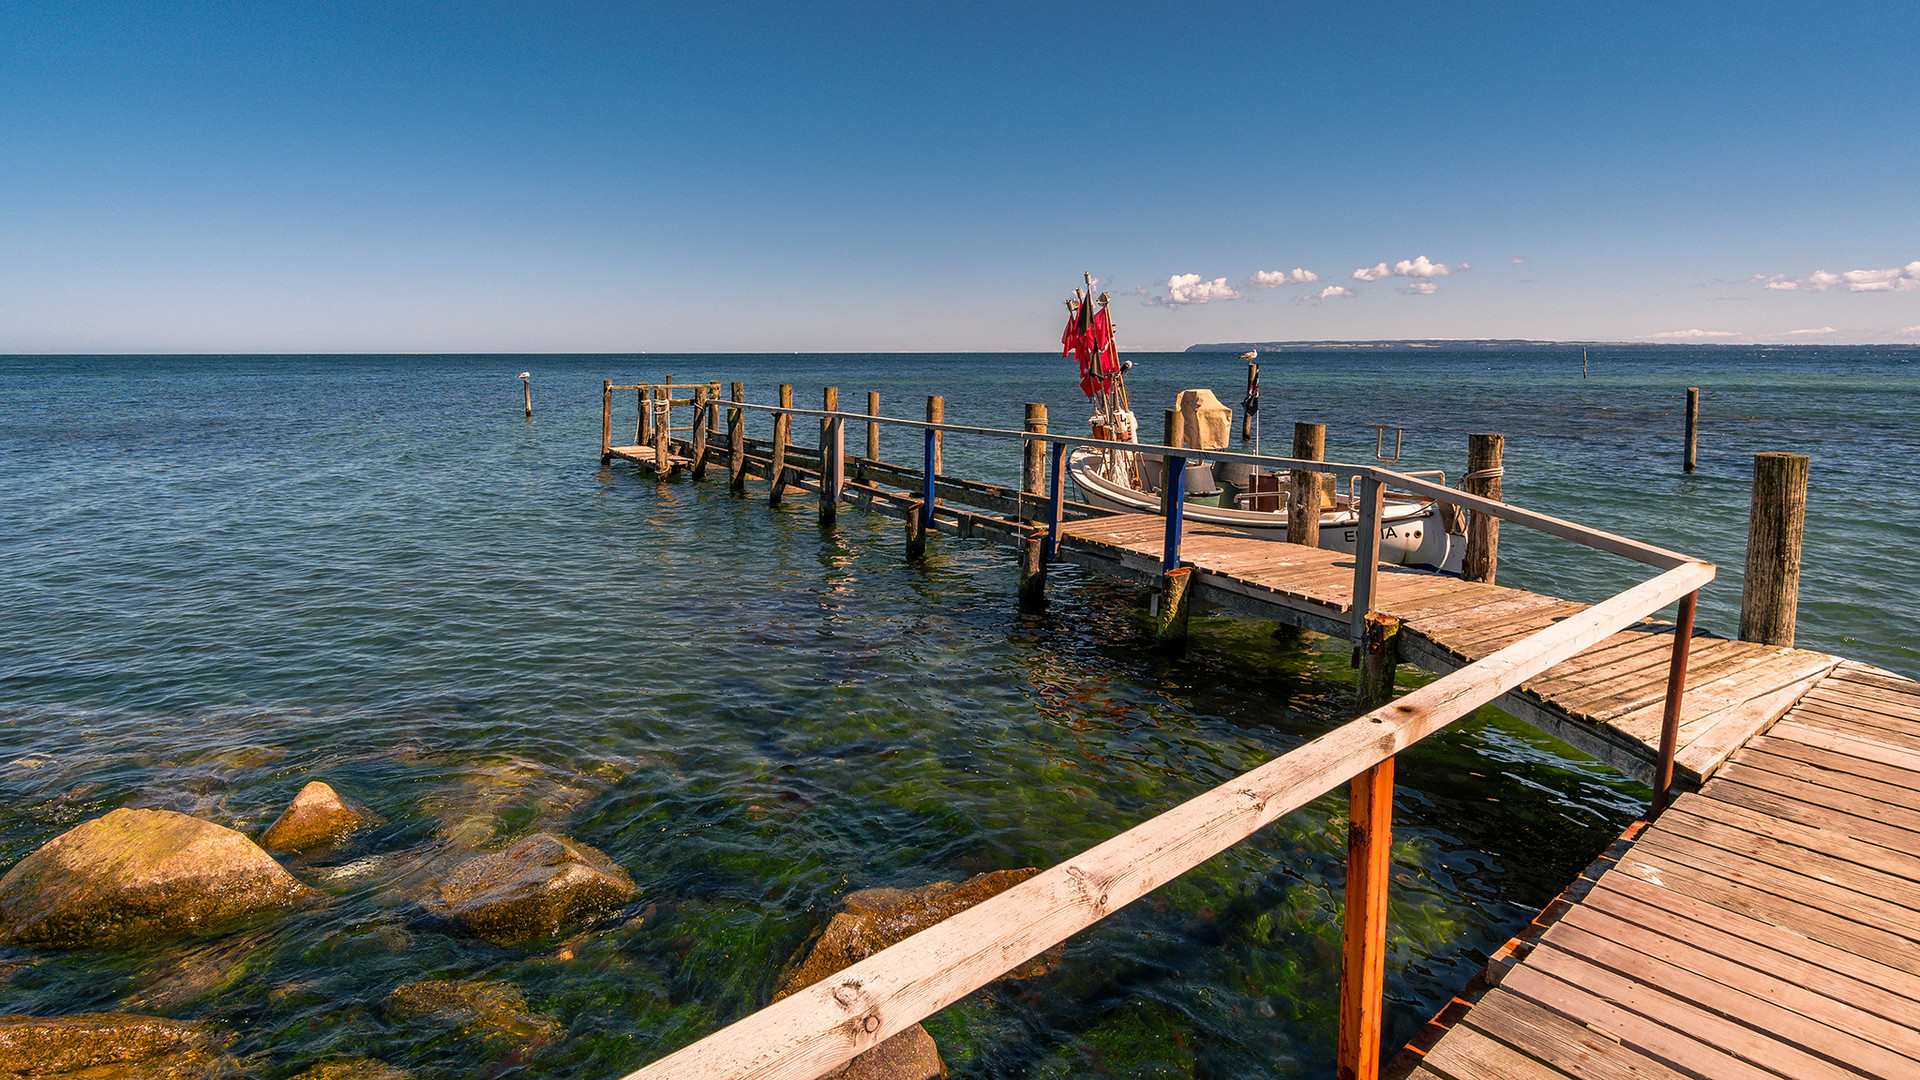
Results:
1761 928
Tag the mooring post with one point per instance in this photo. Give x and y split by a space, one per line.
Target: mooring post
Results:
526 384
1366 553
1173 435
916 532
1175 497
873 432
1378 657
1033 472
662 428
642 415
1171 607
1056 500
932 468
1303 486
699 432
1676 694
1484 469
1693 427
936 414
1770 599
832 456
1363 960
737 440
1246 414
605 421
782 429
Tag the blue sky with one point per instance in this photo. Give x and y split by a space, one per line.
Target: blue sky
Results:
528 177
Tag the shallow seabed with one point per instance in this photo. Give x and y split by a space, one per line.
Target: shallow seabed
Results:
227 576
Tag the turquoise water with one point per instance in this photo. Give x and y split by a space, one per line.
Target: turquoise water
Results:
226 576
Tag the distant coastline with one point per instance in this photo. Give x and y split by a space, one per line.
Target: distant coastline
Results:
1507 345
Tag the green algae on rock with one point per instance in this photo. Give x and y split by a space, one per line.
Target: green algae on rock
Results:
355 1069
119 1045
485 1010
529 891
316 817
135 876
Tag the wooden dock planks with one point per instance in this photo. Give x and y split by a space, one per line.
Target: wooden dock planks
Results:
1613 694
1766 927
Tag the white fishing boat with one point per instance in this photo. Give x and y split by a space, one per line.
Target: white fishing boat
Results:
1413 532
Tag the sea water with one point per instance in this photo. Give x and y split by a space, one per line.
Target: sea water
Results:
222 577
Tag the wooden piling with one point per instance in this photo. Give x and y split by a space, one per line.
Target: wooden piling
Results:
936 414
642 416
1303 487
1246 414
662 428
737 440
916 530
606 421
1033 474
1770 599
1378 655
1363 962
1033 569
1366 554
832 456
1484 454
1171 610
1693 427
699 432
873 430
782 430
526 384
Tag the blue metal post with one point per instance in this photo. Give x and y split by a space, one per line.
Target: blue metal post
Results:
1056 498
1176 510
926 503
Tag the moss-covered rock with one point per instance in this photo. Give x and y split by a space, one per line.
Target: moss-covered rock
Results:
873 919
355 1069
317 816
493 1011
97 1046
136 876
529 891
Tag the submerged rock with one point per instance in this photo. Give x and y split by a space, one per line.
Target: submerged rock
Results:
355 1069
531 890
139 875
873 919
484 1010
118 1045
316 817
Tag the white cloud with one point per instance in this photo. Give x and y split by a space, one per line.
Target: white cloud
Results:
1273 279
1814 330
1421 267
1374 274
1896 279
1692 335
1516 261
1911 330
1332 291
1191 289
1422 288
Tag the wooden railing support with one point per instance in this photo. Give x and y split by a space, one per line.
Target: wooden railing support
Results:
1693 428
606 421
1377 657
1770 598
1366 553
1676 695
1175 490
873 431
737 440
1363 961
927 500
700 405
662 428
1303 487
936 414
1033 569
782 434
1484 468
916 531
832 456
1056 500
1033 462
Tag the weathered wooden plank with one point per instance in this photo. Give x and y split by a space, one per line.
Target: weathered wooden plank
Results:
1797 730
1785 1012
1814 715
1692 1047
1817 965
1841 765
1466 1054
1712 659
1786 807
1868 893
1827 841
1868 675
1855 794
1571 1047
1472 639
1879 711
1708 742
1630 680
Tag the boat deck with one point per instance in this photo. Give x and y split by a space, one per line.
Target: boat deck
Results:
1607 701
1766 927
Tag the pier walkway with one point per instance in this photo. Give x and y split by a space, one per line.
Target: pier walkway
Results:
1766 927
1607 701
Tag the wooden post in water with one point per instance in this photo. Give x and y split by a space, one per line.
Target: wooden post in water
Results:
1303 487
737 441
642 416
1770 599
782 428
606 421
832 456
662 428
1378 655
1033 482
916 531
1363 961
1173 434
699 432
1246 415
936 414
526 384
1693 427
1484 454
873 431
1366 553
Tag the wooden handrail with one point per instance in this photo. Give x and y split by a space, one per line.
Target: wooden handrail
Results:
825 1025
